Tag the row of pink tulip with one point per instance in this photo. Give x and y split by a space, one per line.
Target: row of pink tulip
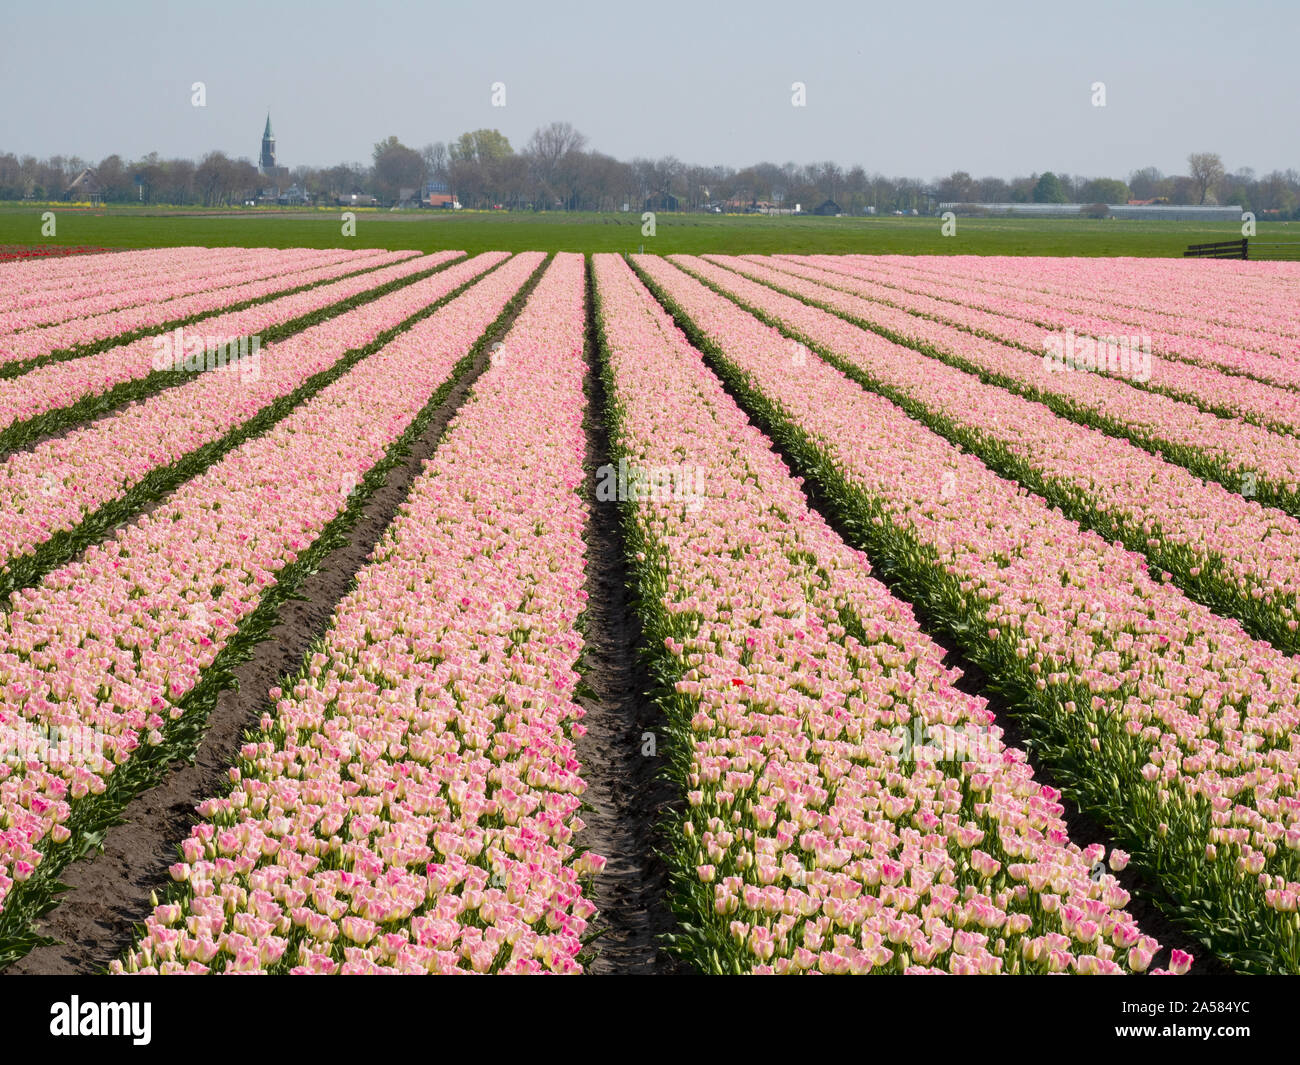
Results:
411 802
1257 318
61 384
1242 452
1254 551
98 658
54 485
816 836
26 279
48 282
1176 723
35 343
1273 406
1238 295
1259 350
225 268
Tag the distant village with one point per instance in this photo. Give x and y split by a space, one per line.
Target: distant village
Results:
429 194
271 184
556 170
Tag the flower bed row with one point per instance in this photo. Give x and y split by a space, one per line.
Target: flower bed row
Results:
208 271
1240 456
1265 356
53 284
54 396
22 253
848 808
1165 720
1241 296
1233 554
48 493
21 279
1263 330
85 335
103 659
1228 394
410 802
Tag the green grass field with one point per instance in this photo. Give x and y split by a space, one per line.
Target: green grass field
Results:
127 227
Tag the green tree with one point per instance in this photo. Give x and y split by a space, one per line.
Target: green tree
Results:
481 146
1049 190
1105 190
483 167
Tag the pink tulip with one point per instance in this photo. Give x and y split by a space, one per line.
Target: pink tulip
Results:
412 838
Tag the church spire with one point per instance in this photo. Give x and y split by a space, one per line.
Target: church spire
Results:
266 161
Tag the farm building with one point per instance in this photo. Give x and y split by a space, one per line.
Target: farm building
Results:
738 204
85 188
827 207
438 194
1179 212
663 201
1170 212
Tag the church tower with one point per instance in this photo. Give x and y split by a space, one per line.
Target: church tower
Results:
267 163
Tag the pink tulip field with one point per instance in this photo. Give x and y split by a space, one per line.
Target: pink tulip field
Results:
962 613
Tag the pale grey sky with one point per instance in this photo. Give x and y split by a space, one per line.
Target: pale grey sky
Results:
998 88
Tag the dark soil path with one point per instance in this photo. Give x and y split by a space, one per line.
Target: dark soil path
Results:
625 789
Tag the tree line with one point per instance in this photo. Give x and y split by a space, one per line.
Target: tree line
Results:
557 170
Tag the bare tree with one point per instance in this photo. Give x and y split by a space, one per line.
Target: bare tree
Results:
550 152
957 187
1207 171
1145 183
436 160
552 143
396 167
